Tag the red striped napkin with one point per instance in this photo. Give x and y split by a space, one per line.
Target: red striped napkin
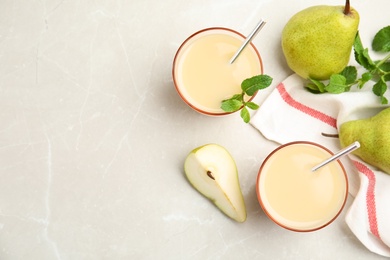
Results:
291 113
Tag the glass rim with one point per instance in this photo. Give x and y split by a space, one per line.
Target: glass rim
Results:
175 61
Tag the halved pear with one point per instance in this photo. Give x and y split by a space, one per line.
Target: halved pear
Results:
213 172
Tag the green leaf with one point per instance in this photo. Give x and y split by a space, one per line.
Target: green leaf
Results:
364 79
366 76
337 84
312 88
361 54
237 96
252 105
386 77
379 88
255 83
381 41
386 68
316 85
367 63
313 91
384 100
245 115
231 105
358 45
350 74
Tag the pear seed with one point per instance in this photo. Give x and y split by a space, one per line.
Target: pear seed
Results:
210 175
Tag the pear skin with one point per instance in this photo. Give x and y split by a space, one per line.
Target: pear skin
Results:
373 135
317 41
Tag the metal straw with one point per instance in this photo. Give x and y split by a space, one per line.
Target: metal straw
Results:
248 39
343 152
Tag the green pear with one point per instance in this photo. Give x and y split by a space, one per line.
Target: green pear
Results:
373 134
212 171
317 41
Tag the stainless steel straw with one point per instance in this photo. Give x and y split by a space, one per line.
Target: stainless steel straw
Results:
248 39
343 152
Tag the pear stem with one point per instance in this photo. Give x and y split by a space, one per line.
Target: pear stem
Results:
330 135
347 8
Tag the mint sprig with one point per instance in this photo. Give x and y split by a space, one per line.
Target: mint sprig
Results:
379 71
249 87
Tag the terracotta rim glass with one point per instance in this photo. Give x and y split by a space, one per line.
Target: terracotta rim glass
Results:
184 44
265 208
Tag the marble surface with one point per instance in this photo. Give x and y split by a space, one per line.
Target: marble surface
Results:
93 135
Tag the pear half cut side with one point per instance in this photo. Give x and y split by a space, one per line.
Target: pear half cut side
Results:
212 171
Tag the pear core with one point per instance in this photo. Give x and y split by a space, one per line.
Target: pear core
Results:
318 40
212 171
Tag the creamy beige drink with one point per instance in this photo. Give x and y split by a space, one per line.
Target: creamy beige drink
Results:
294 196
202 73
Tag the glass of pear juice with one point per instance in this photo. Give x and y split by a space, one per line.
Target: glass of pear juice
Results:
295 197
202 73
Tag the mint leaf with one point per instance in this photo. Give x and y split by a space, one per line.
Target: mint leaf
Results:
253 84
381 40
366 76
337 84
249 86
364 79
385 67
231 105
245 115
350 74
316 85
252 105
312 88
378 71
361 54
379 89
358 45
367 63
386 77
237 97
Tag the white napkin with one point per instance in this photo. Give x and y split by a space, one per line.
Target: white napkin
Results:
291 113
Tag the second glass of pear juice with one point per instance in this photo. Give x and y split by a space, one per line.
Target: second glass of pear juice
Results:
202 73
295 197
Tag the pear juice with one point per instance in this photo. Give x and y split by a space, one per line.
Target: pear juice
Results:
202 73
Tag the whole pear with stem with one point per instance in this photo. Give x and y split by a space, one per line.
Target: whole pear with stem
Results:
317 41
